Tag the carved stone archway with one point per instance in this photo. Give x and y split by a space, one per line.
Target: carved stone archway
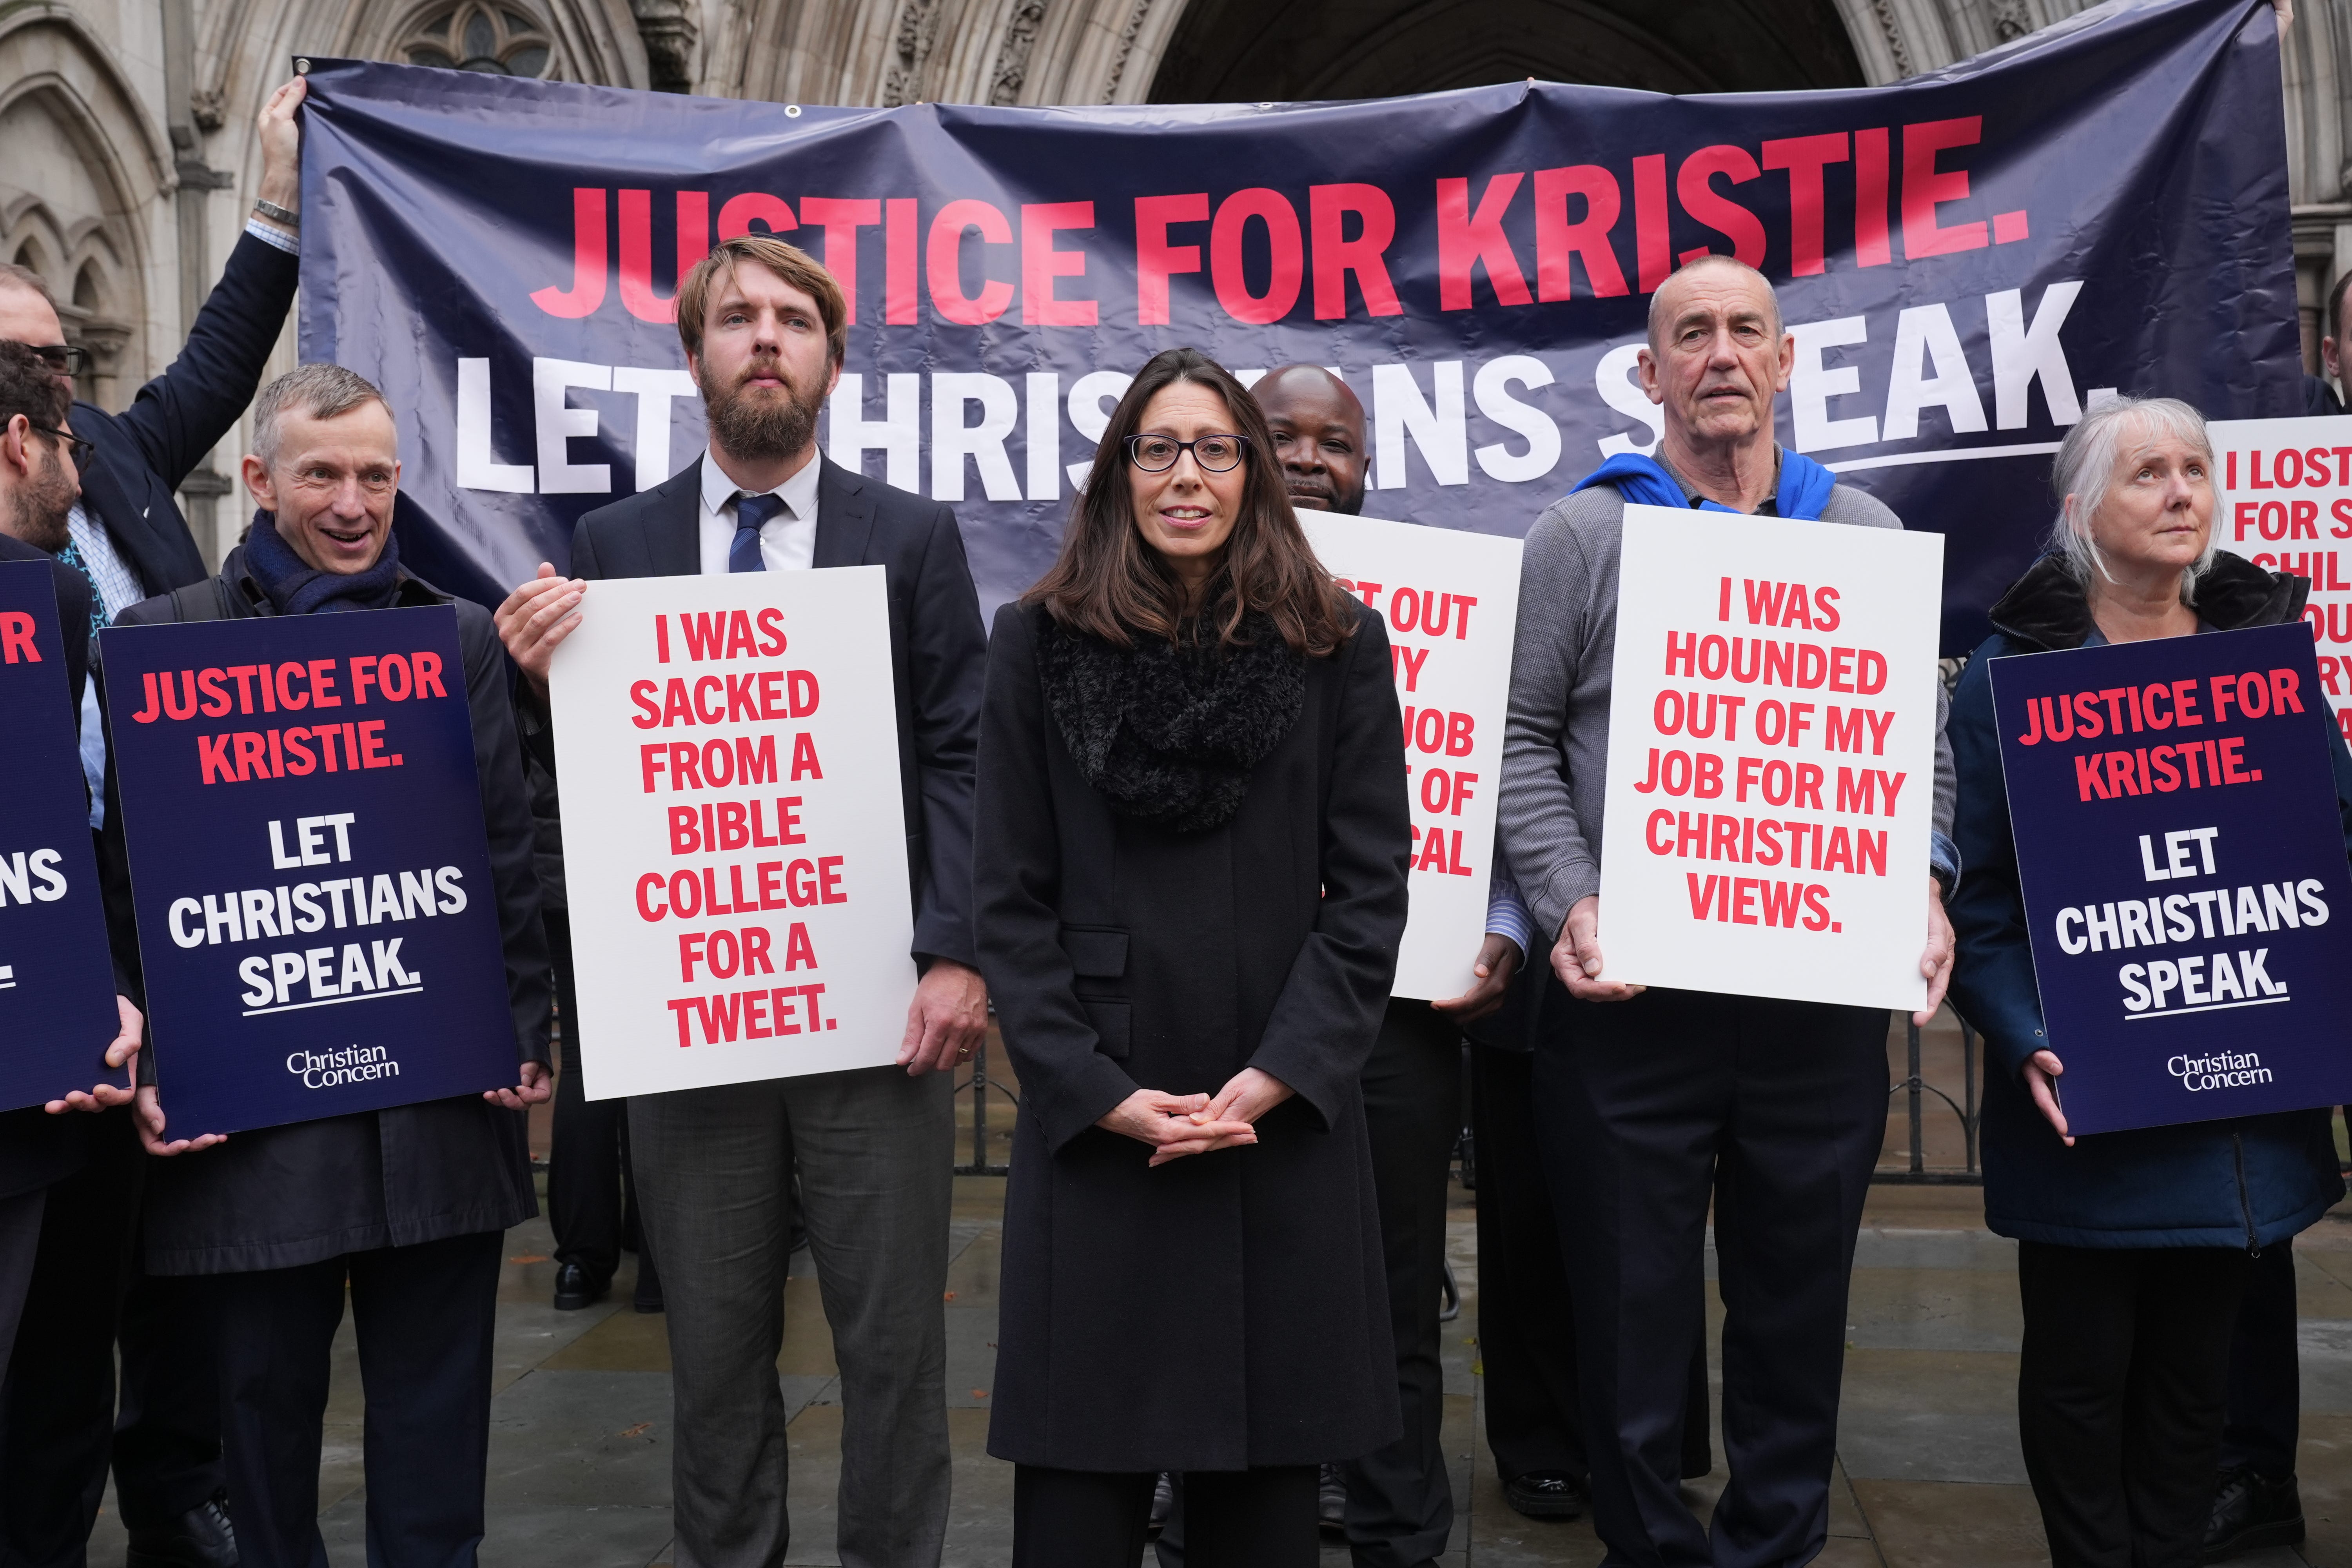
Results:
83 187
1289 51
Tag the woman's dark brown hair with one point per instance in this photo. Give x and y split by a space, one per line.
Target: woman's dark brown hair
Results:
1108 582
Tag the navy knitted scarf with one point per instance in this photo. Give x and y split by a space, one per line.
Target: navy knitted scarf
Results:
298 588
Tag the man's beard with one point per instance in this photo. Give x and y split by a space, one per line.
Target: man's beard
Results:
762 426
40 510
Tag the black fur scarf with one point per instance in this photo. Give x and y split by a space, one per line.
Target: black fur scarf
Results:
1169 734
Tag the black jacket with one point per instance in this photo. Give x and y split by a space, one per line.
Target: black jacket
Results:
37 1148
144 452
938 653
1229 1309
2245 1182
280 1196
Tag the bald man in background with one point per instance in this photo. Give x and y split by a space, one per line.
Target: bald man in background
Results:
1399 1504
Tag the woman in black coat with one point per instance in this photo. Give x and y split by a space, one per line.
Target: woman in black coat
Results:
1190 879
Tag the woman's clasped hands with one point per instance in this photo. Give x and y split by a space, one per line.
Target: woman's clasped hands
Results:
1175 1125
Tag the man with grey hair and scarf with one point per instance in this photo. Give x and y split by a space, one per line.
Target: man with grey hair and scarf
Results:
1655 1103
403 1212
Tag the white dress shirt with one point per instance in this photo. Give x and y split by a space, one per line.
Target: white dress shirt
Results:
787 542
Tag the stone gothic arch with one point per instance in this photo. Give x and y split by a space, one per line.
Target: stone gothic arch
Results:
953 51
83 185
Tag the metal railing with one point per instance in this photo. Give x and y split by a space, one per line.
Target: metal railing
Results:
979 1087
1916 1085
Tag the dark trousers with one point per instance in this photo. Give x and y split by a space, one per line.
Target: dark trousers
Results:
20 1241
167 1427
424 1315
1236 1518
2120 1397
1774 1111
1527 1339
59 1426
1526 1327
591 1191
2265 1400
1400 1501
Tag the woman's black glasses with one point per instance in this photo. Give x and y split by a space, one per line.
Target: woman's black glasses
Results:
1157 454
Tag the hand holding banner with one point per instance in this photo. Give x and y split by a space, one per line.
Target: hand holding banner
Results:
735 845
1452 603
2182 857
311 880
1771 758
58 1011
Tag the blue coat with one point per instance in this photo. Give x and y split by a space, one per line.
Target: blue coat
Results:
2244 1182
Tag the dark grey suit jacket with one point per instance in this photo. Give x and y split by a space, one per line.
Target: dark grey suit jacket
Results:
938 652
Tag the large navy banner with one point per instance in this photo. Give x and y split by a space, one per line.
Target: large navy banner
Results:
1966 257
2183 860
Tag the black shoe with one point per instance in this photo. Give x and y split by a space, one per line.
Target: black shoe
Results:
1331 1502
648 1297
575 1289
1544 1494
2252 1511
201 1538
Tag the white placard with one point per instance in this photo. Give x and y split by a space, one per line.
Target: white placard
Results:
1451 600
2285 502
1771 758
734 844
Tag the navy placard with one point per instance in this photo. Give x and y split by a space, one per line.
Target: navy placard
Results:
2183 860
57 1012
316 918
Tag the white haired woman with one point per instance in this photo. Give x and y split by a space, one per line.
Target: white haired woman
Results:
2134 1247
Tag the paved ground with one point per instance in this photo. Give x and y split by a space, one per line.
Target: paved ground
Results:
1928 1477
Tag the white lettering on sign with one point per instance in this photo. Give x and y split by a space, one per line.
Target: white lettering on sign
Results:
331 1070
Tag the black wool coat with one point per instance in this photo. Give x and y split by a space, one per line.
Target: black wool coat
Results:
1229 1309
277 1197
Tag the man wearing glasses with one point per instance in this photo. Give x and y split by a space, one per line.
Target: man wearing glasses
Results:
126 535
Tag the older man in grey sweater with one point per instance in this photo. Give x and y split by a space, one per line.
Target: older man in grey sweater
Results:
1657 1102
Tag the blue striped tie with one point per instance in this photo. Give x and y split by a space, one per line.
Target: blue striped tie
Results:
751 514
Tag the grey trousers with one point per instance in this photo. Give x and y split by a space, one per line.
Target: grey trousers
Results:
875 1150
